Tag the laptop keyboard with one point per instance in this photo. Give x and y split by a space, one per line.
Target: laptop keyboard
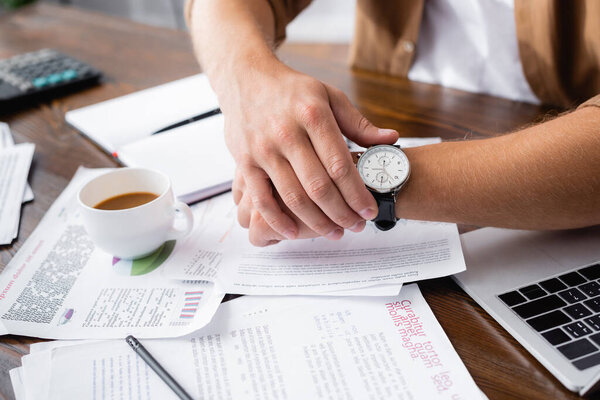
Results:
565 310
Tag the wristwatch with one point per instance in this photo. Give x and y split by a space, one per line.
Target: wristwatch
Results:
384 169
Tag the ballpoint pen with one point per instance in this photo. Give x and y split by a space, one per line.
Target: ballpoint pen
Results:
156 367
189 120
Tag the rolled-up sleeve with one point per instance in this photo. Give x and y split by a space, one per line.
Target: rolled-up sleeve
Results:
284 11
593 102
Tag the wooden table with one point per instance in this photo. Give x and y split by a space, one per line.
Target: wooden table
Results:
135 56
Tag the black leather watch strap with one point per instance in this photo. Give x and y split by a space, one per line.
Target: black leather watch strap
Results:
386 217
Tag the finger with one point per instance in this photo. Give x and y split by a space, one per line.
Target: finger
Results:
354 125
244 211
295 198
261 234
319 186
238 186
260 192
330 147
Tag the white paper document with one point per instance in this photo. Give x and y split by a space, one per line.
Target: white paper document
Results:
218 250
272 348
6 140
14 168
194 156
126 119
403 142
59 285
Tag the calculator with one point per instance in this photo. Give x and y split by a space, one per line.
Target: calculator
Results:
41 75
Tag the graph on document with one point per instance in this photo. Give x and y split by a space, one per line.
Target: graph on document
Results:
191 304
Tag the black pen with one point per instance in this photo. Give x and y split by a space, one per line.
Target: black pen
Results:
156 367
190 120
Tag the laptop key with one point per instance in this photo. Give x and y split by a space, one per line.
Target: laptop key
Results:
587 362
539 306
577 329
577 311
593 304
512 298
556 336
553 285
594 322
532 292
592 272
591 288
595 338
547 321
572 279
572 295
577 349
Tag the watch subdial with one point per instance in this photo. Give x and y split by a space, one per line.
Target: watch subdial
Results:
381 177
384 161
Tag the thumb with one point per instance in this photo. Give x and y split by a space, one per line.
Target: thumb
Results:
354 125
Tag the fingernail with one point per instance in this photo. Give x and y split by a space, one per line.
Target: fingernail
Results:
358 227
368 213
388 132
272 242
290 235
335 234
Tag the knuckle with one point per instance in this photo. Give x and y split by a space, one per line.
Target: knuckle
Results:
311 113
338 168
260 201
319 189
294 201
322 227
363 123
346 220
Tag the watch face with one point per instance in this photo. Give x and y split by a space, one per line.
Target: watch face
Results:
383 168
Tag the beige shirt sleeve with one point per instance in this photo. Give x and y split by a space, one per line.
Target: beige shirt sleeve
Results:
284 11
593 102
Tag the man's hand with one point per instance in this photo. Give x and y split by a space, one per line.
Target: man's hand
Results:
285 130
260 233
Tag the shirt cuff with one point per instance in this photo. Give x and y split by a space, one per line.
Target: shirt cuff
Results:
593 102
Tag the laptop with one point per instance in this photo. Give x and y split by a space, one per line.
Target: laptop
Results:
544 289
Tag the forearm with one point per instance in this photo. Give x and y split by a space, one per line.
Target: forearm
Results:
543 177
230 37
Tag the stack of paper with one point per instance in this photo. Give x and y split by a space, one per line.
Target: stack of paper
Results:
14 169
269 348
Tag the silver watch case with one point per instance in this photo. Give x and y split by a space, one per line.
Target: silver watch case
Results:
394 190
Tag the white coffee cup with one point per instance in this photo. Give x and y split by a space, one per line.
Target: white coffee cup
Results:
138 231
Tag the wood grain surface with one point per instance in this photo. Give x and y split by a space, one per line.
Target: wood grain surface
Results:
135 56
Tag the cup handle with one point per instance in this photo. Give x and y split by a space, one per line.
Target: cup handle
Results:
189 224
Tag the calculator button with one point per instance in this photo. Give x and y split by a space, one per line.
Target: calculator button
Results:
54 78
69 74
40 82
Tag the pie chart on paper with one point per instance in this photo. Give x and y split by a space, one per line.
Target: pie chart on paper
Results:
145 265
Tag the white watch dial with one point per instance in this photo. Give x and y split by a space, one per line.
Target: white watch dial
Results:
383 168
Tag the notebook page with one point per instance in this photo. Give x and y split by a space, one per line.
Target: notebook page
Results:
194 156
126 119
